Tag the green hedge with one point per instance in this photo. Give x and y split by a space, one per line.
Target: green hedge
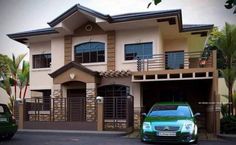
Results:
228 125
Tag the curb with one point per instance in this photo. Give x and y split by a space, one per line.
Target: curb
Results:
78 132
231 137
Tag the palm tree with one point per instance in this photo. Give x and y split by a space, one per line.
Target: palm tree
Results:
227 44
14 68
23 78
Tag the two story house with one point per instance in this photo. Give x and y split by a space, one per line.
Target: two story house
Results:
147 57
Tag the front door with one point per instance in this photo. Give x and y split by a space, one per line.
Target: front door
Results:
76 102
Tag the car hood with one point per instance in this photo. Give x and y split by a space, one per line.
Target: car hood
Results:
168 121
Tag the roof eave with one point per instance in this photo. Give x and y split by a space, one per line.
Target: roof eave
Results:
198 28
145 16
23 35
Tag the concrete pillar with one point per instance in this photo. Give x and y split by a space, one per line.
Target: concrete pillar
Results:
21 115
91 94
100 115
213 109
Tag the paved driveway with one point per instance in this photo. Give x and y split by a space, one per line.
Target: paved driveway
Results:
75 139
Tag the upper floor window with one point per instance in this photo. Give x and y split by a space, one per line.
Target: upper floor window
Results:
138 50
174 60
90 52
41 60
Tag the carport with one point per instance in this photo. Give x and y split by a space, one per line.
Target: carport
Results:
195 92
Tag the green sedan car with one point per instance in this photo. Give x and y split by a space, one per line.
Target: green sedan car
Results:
8 125
170 123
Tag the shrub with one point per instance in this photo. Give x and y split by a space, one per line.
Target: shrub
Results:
228 125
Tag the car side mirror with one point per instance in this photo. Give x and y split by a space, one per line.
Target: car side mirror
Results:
197 114
144 114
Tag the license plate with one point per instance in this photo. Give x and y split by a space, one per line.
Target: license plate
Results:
166 133
3 119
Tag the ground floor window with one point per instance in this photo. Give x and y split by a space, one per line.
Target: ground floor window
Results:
115 100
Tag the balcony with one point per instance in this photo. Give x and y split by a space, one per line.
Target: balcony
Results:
175 66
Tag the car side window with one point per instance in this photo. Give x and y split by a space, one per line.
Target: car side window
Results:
1 109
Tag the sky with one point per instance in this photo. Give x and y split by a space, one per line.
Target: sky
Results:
23 15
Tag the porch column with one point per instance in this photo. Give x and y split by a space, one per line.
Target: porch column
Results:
58 104
91 94
137 117
100 113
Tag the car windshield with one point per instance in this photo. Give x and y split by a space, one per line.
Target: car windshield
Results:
170 111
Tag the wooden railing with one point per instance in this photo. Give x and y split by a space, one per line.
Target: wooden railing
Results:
165 61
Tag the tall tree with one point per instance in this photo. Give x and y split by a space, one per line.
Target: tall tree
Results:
154 1
229 4
227 44
4 60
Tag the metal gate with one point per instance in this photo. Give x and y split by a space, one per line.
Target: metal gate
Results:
118 113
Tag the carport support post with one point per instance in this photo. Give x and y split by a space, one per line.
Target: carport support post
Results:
215 94
21 115
213 109
99 113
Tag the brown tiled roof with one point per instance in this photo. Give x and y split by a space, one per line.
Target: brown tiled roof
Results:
116 73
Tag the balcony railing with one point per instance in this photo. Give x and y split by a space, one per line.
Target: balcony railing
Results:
169 61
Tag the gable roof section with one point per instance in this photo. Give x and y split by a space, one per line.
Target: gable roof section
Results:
74 9
113 19
72 64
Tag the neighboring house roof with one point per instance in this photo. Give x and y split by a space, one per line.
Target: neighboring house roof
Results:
72 64
113 19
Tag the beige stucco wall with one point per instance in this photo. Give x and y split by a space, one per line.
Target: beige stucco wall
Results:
57 50
196 43
134 87
100 66
176 44
135 36
39 78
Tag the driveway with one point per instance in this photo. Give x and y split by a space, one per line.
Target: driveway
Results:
75 139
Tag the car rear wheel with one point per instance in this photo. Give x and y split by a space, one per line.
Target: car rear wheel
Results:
9 136
196 141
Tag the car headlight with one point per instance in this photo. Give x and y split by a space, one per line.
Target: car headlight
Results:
188 127
147 126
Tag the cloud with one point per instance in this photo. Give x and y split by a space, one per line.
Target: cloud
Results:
117 6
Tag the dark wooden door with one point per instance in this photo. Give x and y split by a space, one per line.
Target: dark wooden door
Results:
76 102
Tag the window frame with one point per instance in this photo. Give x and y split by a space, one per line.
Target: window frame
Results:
166 62
141 43
97 53
44 67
